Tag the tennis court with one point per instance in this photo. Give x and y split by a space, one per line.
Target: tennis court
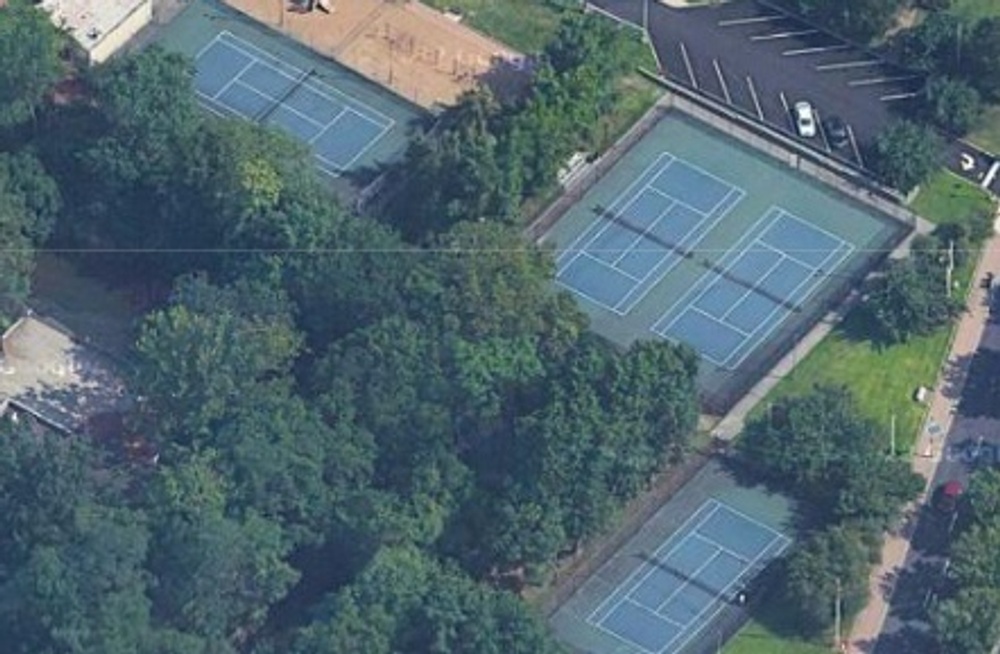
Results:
767 276
687 578
248 71
645 233
234 77
695 238
694 574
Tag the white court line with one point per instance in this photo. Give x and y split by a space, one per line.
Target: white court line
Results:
754 339
732 22
754 521
816 50
626 641
368 145
661 618
653 567
782 35
728 259
682 203
711 505
802 221
588 297
690 240
718 605
236 79
631 246
205 48
272 100
749 291
716 544
687 577
610 267
699 169
327 91
600 222
696 309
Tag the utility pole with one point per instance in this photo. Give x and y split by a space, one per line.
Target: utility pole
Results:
892 436
837 620
645 20
949 271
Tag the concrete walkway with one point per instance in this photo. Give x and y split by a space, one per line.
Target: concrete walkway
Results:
944 404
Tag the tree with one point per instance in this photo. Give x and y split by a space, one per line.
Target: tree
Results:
819 447
835 556
968 623
200 356
983 496
29 50
981 57
216 574
933 46
404 602
905 154
952 104
863 20
911 299
973 562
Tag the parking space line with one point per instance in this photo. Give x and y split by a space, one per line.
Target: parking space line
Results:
749 21
872 81
753 95
687 64
860 63
722 81
788 110
892 97
819 128
854 146
816 50
782 35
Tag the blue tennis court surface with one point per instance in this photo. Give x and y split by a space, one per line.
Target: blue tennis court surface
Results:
680 588
234 77
645 232
736 305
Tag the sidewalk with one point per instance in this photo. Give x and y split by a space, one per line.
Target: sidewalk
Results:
944 403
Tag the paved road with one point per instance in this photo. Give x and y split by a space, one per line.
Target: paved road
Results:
958 437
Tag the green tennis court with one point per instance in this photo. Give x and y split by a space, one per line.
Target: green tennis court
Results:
246 70
695 238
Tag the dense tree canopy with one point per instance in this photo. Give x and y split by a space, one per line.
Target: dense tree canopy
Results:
29 50
905 154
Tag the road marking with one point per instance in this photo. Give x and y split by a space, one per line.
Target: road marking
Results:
854 146
859 63
872 81
788 111
749 21
753 95
722 81
899 96
816 50
822 132
782 35
687 64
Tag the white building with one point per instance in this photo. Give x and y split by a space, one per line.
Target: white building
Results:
100 27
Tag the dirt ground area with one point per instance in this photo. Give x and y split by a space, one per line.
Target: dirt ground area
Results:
418 52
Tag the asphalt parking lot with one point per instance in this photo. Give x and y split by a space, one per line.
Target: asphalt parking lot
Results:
761 61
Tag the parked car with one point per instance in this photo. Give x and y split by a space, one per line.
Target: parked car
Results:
946 496
805 119
836 131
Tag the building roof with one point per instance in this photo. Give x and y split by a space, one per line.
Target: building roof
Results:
46 372
89 21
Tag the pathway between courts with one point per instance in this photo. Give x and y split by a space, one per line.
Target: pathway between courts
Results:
869 623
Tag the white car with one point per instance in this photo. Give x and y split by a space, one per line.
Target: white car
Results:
805 119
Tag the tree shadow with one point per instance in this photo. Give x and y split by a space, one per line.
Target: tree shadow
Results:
908 640
982 384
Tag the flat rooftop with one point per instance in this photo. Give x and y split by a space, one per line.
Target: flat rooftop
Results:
46 372
89 21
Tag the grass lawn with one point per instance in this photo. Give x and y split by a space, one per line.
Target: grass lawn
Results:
987 133
881 379
525 25
976 9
